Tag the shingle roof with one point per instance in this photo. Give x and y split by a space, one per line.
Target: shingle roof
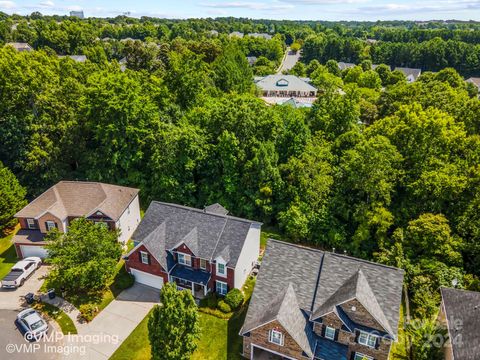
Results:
410 71
78 198
343 65
316 276
356 287
77 58
283 83
474 80
285 309
24 236
207 234
216 209
20 46
462 310
330 350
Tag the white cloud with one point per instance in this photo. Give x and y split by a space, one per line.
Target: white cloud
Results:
46 4
7 5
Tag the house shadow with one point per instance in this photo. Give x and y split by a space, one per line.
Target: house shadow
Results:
234 340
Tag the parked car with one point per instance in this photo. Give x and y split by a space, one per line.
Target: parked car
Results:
21 271
32 324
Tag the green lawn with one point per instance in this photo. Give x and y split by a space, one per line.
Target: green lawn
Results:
63 320
136 346
269 232
400 349
8 256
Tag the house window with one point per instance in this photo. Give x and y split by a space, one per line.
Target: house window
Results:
330 333
221 269
184 259
276 337
222 288
367 339
359 356
31 223
50 225
203 264
144 257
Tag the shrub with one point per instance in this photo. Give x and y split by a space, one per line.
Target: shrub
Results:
124 280
224 307
88 311
234 298
210 301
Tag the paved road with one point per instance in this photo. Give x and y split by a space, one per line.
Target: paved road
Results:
14 347
289 61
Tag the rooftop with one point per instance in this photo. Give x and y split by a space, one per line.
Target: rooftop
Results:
79 198
283 83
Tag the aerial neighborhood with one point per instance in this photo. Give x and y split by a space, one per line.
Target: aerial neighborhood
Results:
239 187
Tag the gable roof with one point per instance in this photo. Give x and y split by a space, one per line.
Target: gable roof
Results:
207 234
356 287
343 65
19 46
284 308
216 209
462 311
77 58
283 83
79 198
474 80
410 71
321 279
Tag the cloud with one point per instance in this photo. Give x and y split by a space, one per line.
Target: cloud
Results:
423 7
324 2
275 6
7 5
46 4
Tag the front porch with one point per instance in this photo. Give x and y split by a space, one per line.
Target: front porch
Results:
190 279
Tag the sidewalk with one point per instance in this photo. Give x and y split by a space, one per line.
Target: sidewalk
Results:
67 308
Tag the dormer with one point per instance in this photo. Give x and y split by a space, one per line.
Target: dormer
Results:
282 82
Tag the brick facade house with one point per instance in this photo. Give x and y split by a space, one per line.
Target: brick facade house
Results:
310 304
200 250
114 206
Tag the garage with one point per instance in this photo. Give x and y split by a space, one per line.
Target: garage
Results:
32 250
147 279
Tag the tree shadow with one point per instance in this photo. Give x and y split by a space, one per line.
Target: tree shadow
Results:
234 340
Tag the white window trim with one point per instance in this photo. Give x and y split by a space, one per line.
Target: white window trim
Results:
48 224
368 337
200 264
31 223
144 255
223 283
185 257
270 337
360 356
224 274
334 332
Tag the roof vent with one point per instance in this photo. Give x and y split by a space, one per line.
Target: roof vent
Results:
354 308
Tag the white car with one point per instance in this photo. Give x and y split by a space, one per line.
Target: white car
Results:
32 324
21 271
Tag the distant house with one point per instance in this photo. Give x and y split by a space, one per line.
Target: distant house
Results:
296 103
213 33
460 315
251 60
475 81
200 250
19 46
343 65
116 207
285 86
411 74
77 58
311 304
261 35
77 14
236 34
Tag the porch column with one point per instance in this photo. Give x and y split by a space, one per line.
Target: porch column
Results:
193 289
204 290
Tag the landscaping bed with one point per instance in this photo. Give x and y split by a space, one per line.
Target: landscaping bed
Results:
63 320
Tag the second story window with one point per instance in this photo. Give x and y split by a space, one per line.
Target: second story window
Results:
31 224
50 225
184 259
330 333
221 270
276 337
203 264
367 339
359 356
144 257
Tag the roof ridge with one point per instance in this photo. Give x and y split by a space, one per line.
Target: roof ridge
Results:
95 182
364 261
190 208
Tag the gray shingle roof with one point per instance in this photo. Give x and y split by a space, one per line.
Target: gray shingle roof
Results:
207 234
216 209
285 309
462 310
316 276
343 65
283 83
410 71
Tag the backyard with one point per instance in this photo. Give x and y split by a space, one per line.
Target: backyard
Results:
8 257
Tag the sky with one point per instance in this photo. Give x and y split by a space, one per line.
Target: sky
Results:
261 9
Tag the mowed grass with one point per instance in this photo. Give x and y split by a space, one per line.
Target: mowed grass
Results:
136 346
63 320
400 348
8 256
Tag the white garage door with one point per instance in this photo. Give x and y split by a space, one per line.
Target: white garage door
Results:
147 279
29 250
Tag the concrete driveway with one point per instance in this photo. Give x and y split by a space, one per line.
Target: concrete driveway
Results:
12 299
14 347
115 323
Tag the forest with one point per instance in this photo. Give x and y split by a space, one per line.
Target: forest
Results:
385 170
